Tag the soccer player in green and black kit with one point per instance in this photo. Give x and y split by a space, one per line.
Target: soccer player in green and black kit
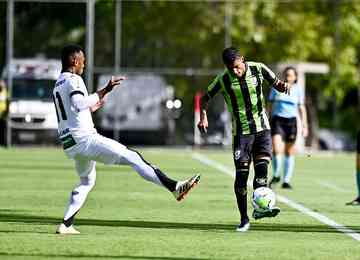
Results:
241 85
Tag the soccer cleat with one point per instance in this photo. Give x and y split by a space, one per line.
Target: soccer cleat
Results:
273 181
64 230
244 226
269 213
286 185
183 187
355 202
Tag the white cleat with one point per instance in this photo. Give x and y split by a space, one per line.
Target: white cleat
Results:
64 230
183 187
243 227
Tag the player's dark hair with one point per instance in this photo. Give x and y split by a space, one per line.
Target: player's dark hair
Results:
290 68
230 54
67 52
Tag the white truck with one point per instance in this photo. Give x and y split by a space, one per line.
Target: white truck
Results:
32 115
142 111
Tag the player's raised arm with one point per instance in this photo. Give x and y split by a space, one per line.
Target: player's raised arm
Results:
271 78
113 82
95 100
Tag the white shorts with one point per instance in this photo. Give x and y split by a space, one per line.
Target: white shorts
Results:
97 148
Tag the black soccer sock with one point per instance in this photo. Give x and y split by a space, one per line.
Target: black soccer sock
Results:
261 170
165 180
70 220
240 188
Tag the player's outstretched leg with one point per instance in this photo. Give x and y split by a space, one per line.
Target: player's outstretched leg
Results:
109 151
151 173
240 188
260 180
78 196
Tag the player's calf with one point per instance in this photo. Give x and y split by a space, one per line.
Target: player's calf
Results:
261 171
240 189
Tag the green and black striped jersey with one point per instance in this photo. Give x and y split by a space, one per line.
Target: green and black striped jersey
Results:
244 97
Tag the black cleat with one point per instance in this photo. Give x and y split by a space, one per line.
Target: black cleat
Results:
355 202
286 185
269 213
273 181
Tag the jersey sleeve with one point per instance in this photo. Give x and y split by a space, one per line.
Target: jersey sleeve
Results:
214 88
76 86
81 103
268 74
79 96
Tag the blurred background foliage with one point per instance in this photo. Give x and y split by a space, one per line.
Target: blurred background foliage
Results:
185 34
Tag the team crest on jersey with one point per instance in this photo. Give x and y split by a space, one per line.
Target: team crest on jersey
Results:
237 154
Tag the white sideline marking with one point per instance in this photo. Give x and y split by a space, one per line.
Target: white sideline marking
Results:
332 186
203 159
322 218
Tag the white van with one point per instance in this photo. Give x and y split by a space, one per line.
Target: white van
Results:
31 110
142 111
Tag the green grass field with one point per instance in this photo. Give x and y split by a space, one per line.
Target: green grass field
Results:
128 218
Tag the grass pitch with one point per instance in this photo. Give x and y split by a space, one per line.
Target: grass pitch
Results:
126 217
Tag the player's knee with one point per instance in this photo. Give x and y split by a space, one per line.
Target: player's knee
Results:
133 157
290 150
242 166
262 157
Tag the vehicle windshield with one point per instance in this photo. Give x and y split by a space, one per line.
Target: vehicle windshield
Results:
32 89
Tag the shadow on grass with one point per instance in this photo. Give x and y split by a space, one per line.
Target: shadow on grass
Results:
101 256
260 226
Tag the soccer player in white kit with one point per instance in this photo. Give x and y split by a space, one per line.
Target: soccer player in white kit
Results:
85 146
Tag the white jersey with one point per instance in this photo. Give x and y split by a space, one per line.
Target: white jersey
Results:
72 120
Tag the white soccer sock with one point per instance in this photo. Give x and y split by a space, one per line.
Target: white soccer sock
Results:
79 194
289 168
143 168
276 165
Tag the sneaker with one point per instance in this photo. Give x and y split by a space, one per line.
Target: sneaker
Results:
244 226
273 181
64 230
183 187
355 202
269 213
286 185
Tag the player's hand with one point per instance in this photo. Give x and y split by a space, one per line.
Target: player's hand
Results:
113 82
305 132
203 126
283 87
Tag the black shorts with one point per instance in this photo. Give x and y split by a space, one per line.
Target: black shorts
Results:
286 127
358 143
247 147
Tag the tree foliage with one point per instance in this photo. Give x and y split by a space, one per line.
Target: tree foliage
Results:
191 34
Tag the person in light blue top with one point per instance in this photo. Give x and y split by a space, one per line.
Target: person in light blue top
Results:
285 109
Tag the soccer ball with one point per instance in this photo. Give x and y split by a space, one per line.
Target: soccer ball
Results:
263 198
